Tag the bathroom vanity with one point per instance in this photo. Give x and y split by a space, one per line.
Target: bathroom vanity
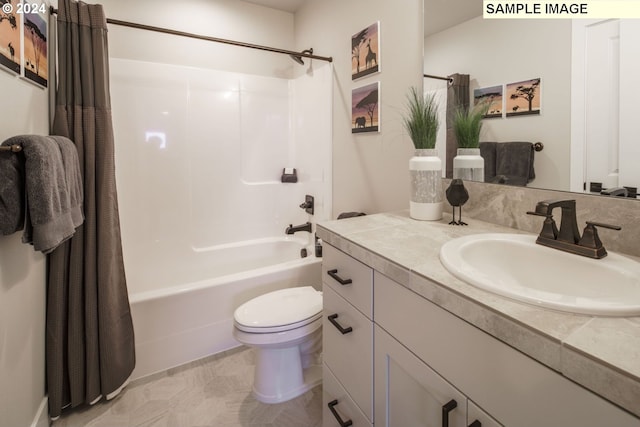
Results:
408 344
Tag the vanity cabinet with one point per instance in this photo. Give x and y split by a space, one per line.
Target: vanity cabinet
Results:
509 386
422 358
347 340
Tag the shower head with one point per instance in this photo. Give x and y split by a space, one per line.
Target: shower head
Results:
298 58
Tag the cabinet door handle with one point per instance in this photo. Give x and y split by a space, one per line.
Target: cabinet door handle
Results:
446 408
332 318
332 408
476 423
334 274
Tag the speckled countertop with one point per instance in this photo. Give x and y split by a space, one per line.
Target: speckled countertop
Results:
600 353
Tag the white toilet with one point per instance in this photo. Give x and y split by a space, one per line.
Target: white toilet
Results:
285 328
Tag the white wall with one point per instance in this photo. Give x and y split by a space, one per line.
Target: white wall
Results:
370 171
22 277
501 51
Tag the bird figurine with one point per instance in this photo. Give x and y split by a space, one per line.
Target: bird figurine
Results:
457 196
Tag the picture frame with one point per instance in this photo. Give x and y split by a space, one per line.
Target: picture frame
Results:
365 108
10 36
365 51
524 97
35 66
493 95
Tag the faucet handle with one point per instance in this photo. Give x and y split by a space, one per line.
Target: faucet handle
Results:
603 225
591 240
549 228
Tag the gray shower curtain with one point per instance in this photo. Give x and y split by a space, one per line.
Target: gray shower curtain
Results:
89 339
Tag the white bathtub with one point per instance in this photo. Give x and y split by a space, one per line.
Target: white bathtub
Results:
183 310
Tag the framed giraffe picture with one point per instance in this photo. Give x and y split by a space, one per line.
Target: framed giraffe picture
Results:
365 51
10 30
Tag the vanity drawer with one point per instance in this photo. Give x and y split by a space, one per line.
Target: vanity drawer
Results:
348 277
333 393
349 355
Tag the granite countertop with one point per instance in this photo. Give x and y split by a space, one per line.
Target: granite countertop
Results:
600 353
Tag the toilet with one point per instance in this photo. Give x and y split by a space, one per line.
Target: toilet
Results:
285 328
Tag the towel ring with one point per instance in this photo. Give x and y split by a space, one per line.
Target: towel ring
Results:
538 146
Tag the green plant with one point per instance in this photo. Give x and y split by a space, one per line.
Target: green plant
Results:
421 121
467 124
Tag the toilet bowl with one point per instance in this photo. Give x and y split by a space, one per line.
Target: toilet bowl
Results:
285 328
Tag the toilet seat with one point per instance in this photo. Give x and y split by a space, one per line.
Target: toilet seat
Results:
279 311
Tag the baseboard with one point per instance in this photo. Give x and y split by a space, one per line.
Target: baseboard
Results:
42 416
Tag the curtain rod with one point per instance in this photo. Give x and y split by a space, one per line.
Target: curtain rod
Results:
207 38
449 79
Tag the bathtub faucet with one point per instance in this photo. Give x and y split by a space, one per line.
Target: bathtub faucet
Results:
304 227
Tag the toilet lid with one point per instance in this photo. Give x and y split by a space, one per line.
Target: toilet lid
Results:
280 308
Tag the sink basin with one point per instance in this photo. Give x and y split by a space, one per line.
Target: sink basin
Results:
514 266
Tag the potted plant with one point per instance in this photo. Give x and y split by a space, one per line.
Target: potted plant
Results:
425 167
467 124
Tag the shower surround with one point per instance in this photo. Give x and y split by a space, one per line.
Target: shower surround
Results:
199 155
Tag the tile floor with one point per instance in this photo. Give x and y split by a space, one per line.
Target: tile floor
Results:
213 392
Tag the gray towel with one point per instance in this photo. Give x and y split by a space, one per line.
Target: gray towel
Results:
488 153
11 192
53 187
514 160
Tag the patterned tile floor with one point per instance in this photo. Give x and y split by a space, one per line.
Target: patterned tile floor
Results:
213 392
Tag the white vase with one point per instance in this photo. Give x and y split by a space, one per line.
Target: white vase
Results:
425 169
468 165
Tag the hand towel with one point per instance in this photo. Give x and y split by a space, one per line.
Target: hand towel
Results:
514 160
53 187
488 153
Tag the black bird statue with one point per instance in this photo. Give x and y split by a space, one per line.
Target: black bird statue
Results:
457 196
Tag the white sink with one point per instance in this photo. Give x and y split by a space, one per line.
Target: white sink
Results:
514 266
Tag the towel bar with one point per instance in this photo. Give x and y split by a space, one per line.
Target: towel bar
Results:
538 146
15 148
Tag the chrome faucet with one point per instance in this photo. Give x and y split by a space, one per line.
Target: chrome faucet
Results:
568 237
294 229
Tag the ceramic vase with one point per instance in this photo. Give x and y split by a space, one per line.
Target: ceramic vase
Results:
468 165
425 169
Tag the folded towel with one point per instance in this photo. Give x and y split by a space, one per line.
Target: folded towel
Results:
514 160
53 184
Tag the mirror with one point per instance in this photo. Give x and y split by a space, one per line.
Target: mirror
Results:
570 124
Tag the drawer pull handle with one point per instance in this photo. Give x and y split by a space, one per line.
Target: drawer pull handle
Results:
334 274
446 408
476 423
332 318
332 408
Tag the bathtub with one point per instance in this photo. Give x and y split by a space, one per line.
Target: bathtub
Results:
183 308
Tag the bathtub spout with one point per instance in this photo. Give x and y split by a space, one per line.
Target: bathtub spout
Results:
294 229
